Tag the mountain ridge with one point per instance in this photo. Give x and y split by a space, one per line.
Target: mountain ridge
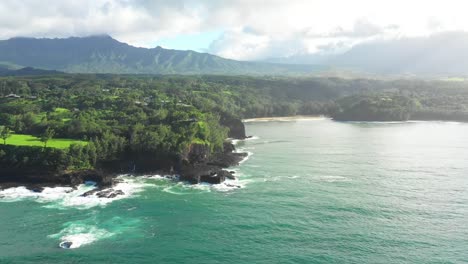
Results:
438 54
103 54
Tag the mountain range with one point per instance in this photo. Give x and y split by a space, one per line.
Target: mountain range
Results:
26 71
103 54
435 55
438 54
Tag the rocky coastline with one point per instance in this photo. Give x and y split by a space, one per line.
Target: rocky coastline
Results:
194 166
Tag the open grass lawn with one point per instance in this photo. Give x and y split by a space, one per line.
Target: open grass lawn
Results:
60 110
28 140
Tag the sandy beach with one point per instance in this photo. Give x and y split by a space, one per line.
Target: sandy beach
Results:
283 118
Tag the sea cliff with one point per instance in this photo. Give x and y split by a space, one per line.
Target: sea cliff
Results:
194 165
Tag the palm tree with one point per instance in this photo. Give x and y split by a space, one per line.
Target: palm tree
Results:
48 134
5 133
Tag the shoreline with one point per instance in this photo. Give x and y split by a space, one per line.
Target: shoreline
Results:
285 118
214 170
323 117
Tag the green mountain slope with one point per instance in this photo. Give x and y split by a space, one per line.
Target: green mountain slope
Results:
103 54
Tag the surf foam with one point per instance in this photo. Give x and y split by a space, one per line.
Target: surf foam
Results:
80 234
63 197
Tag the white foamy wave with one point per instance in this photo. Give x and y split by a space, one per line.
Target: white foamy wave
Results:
129 187
246 157
236 141
76 235
182 188
185 188
63 197
230 185
20 193
334 178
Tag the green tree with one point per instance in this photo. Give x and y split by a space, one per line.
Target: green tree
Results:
5 133
48 134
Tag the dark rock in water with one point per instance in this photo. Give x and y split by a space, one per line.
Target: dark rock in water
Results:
203 173
214 179
66 244
36 189
109 193
193 173
88 193
226 175
198 167
104 193
116 193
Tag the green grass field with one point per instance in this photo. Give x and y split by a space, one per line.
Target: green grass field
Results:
28 140
60 110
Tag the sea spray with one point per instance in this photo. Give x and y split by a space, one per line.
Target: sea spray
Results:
68 197
79 233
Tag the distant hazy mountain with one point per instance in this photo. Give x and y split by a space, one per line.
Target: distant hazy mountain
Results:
27 71
440 54
103 54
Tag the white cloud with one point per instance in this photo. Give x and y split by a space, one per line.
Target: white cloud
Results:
254 29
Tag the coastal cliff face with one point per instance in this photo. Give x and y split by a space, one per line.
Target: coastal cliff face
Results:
200 166
236 127
197 164
35 178
197 153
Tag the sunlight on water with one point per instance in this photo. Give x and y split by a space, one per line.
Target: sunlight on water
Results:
312 191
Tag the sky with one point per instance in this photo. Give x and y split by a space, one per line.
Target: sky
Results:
237 29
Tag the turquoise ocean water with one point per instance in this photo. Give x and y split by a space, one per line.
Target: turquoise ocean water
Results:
312 191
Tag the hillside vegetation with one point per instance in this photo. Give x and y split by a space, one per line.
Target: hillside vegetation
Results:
96 119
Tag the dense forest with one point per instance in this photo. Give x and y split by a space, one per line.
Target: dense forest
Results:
117 117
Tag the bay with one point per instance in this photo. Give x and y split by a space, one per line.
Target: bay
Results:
312 191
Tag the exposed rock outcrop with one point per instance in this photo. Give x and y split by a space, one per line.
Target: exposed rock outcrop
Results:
109 193
66 244
204 173
35 180
197 153
195 165
236 127
198 166
79 177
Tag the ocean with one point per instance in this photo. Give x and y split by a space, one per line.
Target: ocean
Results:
311 191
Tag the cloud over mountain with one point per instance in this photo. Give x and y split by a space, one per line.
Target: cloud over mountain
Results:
252 29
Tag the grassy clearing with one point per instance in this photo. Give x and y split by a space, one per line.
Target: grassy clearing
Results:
29 140
60 110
